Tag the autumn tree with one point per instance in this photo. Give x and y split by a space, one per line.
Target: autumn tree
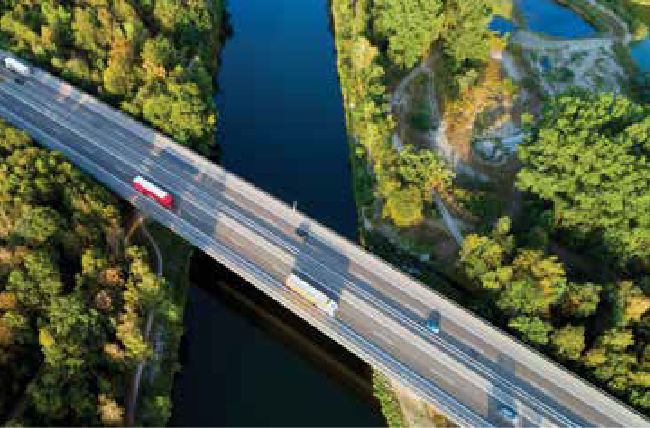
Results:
527 281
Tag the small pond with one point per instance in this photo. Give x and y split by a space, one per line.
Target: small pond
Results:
502 25
549 18
641 53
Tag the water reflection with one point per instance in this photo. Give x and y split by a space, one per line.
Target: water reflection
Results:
548 17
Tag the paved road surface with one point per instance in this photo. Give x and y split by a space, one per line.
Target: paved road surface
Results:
468 370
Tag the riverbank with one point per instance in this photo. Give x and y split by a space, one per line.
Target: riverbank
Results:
374 136
282 129
519 78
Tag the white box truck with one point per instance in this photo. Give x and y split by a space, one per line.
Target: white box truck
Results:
15 65
311 294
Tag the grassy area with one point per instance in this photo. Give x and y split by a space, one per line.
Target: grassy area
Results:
155 398
389 404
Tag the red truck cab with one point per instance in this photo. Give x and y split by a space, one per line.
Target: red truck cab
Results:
148 188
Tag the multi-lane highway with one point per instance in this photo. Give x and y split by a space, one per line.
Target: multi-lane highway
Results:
469 370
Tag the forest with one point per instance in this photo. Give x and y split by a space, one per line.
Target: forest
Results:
72 292
152 58
570 275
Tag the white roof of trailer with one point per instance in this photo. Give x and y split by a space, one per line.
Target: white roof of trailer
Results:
150 186
308 288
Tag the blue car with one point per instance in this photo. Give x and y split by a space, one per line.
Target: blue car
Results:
433 325
508 413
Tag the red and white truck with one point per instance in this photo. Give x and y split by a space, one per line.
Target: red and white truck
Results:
146 187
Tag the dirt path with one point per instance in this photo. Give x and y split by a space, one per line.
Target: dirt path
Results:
398 96
397 99
133 397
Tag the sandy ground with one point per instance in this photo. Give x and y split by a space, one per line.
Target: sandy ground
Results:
592 62
416 412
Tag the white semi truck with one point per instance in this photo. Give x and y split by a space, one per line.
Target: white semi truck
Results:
15 65
312 294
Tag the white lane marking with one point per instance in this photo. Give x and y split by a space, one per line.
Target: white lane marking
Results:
438 372
263 234
228 253
383 337
241 218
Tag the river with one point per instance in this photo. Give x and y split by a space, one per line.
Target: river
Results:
281 128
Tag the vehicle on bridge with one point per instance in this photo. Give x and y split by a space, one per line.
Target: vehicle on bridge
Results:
509 414
17 66
146 187
311 294
433 325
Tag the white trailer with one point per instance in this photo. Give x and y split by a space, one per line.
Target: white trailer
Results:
311 294
17 66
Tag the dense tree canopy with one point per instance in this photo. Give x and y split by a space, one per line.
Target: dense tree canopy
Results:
410 26
153 58
594 326
589 156
71 302
585 172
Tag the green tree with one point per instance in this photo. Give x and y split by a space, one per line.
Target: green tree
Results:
581 300
466 34
569 341
38 224
526 281
616 339
409 26
72 327
533 329
425 170
589 157
630 302
404 206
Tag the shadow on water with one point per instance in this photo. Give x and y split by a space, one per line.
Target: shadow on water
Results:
261 365
247 361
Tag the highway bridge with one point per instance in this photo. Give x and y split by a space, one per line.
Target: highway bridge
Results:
469 370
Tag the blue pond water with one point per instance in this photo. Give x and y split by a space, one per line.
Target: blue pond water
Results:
551 19
502 25
641 53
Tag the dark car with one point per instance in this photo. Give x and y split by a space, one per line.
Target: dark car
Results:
433 325
508 413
